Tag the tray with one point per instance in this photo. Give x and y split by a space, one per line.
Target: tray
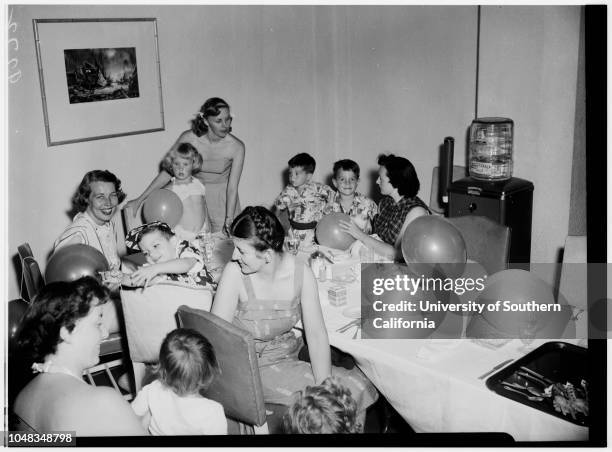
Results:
558 361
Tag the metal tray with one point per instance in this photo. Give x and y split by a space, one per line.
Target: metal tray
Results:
558 361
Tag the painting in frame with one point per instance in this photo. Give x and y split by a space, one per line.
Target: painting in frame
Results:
99 78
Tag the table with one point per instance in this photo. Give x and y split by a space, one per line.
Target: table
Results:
433 383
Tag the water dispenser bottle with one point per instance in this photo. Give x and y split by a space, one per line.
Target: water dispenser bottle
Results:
491 149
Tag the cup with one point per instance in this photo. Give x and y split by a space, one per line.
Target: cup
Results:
292 244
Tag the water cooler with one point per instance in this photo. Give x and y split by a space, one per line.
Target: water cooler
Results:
508 202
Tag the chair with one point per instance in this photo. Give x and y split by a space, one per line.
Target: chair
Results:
131 219
435 197
487 242
31 275
239 387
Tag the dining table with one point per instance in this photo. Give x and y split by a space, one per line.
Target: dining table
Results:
433 383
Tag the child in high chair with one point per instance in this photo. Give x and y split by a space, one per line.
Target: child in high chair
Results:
347 199
168 257
181 163
303 199
173 404
325 408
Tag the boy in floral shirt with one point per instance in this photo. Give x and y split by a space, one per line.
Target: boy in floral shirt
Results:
304 199
347 199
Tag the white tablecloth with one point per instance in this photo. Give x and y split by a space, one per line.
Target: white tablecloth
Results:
433 383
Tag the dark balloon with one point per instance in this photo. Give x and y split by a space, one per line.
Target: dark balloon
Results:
329 234
74 261
163 205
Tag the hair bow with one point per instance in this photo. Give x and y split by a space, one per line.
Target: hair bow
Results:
133 237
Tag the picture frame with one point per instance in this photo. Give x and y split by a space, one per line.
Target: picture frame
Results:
99 78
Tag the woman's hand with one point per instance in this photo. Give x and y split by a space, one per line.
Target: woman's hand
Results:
144 275
352 229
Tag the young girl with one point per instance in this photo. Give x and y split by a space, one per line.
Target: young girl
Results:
173 404
167 257
182 163
347 199
325 408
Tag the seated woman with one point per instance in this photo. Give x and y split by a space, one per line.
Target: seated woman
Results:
399 185
61 333
265 291
96 200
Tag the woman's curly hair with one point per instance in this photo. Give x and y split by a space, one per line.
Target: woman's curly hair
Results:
402 174
186 151
80 199
260 225
212 107
326 408
59 304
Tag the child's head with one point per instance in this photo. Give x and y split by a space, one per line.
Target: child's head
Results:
187 362
326 408
182 161
346 176
301 168
156 241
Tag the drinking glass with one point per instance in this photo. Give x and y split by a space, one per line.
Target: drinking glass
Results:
292 243
527 333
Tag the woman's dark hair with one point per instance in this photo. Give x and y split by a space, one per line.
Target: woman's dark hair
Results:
401 173
346 165
304 161
80 200
212 107
187 362
59 304
261 226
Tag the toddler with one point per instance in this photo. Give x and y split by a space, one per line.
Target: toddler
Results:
347 199
325 408
173 404
167 257
304 199
181 163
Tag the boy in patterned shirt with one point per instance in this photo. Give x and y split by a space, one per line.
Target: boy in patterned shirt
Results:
304 200
347 199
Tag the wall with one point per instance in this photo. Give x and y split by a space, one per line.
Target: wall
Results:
332 81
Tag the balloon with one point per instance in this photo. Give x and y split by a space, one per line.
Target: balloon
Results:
329 234
16 310
517 288
163 205
73 261
432 246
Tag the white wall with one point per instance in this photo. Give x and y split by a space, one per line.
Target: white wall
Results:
332 81
528 72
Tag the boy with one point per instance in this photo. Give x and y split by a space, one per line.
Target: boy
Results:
304 199
347 199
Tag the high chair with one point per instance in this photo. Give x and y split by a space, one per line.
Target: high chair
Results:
238 388
31 275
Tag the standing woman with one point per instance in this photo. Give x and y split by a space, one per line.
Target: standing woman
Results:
223 156
399 206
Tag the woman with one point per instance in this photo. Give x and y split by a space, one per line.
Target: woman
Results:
266 291
400 205
223 156
61 333
96 201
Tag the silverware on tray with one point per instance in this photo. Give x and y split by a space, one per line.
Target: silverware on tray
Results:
535 374
499 366
529 397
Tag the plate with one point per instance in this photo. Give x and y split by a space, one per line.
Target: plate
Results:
352 312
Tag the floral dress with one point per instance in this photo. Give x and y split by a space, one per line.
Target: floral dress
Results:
198 276
271 323
362 210
305 206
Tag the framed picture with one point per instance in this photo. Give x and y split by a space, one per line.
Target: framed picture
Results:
99 78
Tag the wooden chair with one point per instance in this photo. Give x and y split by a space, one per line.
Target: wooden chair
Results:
239 387
435 197
31 275
487 242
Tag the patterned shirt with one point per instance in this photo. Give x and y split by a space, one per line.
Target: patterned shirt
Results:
390 219
196 276
304 204
362 210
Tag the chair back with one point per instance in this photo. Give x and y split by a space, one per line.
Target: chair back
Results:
30 270
238 388
487 242
131 218
435 197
